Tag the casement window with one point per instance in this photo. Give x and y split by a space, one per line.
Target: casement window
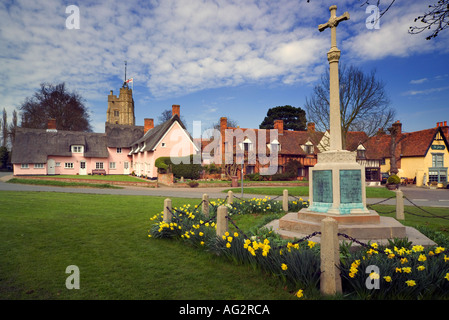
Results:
119 150
98 165
68 165
111 165
437 160
77 149
116 113
250 169
38 166
24 166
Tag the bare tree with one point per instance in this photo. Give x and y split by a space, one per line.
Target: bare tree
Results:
436 19
4 126
364 104
12 127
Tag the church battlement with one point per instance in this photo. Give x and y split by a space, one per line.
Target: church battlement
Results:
121 108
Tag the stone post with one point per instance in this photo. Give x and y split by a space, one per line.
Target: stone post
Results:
285 200
230 197
167 213
205 205
330 281
222 222
399 205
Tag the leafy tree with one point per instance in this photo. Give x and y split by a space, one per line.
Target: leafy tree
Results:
4 157
294 118
55 102
364 104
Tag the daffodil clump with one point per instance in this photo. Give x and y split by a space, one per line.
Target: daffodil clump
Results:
263 249
412 272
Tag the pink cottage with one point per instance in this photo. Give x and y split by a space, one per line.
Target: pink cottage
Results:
123 148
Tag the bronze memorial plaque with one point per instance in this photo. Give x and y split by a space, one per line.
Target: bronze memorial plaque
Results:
322 186
350 186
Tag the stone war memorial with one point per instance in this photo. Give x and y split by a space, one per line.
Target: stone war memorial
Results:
337 181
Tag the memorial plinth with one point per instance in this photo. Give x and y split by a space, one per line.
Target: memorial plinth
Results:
337 184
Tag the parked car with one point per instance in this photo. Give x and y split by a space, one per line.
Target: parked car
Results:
384 177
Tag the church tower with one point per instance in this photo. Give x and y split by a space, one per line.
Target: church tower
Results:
121 108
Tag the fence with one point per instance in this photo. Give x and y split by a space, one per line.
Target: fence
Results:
330 279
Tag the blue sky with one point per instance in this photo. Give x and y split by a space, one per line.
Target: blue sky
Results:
217 58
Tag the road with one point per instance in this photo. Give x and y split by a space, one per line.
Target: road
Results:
419 196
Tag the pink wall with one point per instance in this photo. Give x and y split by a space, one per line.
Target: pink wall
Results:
174 144
76 159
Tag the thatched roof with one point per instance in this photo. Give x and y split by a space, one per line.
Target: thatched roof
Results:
35 145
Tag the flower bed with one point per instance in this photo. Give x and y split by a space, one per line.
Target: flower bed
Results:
410 272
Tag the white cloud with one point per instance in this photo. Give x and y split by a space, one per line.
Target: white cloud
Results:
426 91
419 81
176 47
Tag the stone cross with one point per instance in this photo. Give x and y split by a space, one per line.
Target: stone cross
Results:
333 56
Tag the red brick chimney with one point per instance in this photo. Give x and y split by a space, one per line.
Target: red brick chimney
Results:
51 125
148 125
279 125
175 109
445 128
311 127
223 125
398 127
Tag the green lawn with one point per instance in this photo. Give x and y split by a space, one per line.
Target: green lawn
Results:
300 191
111 177
62 183
106 237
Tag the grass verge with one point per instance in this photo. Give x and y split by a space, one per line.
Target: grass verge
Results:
62 183
371 192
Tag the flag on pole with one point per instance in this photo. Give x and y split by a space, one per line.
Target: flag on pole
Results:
130 80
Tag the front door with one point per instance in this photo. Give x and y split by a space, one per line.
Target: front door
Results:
126 167
83 170
51 167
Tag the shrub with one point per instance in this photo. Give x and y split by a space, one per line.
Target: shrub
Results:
185 167
163 164
393 179
193 184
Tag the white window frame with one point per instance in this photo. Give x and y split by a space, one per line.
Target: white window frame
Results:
112 165
99 165
24 166
119 150
68 165
38 166
77 149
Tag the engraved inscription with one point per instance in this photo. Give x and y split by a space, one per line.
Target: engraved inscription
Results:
350 186
322 186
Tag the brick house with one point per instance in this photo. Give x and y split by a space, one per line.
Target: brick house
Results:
421 156
299 146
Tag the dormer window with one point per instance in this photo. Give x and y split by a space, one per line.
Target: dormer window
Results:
361 152
247 145
77 149
274 146
308 147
